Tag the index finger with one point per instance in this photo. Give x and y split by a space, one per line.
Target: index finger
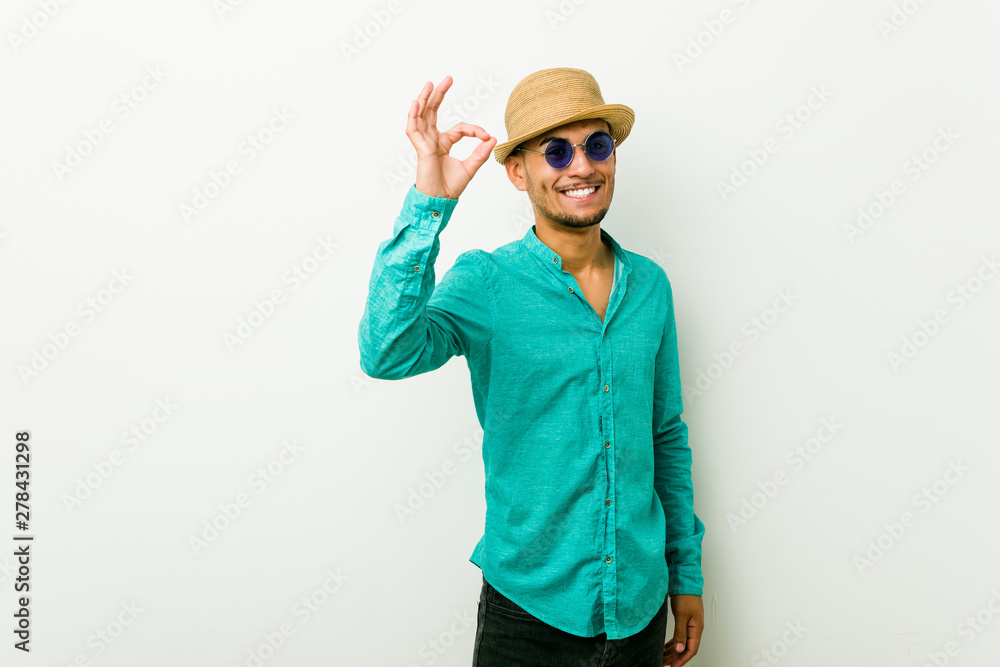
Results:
428 104
430 99
438 95
465 130
693 642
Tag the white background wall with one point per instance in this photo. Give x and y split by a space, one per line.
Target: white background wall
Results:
115 516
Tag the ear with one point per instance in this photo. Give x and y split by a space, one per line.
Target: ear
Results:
514 164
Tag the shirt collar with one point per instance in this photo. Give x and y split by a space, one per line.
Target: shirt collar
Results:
550 257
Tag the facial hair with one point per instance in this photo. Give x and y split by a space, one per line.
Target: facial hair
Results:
565 220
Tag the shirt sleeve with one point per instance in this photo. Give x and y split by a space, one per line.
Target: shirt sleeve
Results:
672 474
410 326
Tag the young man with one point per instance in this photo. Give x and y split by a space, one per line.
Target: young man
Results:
572 350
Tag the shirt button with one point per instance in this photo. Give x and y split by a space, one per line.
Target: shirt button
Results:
608 501
435 214
571 289
606 388
608 559
555 260
416 268
607 445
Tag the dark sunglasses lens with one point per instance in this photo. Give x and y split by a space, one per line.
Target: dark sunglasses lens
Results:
599 146
558 153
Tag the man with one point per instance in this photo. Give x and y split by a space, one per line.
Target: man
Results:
572 351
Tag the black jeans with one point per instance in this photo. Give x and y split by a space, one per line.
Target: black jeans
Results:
508 636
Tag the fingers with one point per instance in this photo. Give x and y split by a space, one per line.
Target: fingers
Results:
677 652
451 137
423 110
479 156
673 659
411 117
421 99
430 99
681 622
465 130
670 655
437 96
421 121
415 116
680 641
684 645
694 637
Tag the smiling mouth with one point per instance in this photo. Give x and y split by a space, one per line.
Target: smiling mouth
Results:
581 194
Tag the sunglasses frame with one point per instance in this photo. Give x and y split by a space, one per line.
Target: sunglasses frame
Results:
573 149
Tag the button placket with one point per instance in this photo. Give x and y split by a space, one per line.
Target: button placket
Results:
605 368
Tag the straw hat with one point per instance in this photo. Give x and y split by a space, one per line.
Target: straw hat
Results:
553 97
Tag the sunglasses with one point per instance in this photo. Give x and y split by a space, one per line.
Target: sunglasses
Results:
559 152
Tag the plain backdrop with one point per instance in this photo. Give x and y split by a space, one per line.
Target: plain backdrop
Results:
192 198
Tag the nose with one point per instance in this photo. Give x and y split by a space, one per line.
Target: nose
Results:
581 164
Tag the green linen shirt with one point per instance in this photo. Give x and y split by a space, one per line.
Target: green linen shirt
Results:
590 517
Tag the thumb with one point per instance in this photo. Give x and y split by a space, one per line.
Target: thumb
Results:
479 155
680 637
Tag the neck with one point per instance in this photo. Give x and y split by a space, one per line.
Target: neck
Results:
581 249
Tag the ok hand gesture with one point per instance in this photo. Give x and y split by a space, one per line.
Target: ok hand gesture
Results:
439 174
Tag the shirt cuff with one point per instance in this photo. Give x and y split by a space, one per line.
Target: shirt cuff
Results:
686 579
424 212
684 563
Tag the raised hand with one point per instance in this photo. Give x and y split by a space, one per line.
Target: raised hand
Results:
439 174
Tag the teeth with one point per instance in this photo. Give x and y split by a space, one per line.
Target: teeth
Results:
586 192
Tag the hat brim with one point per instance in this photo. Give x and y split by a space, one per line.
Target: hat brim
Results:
619 117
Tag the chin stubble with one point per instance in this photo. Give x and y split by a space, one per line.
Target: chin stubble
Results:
565 220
